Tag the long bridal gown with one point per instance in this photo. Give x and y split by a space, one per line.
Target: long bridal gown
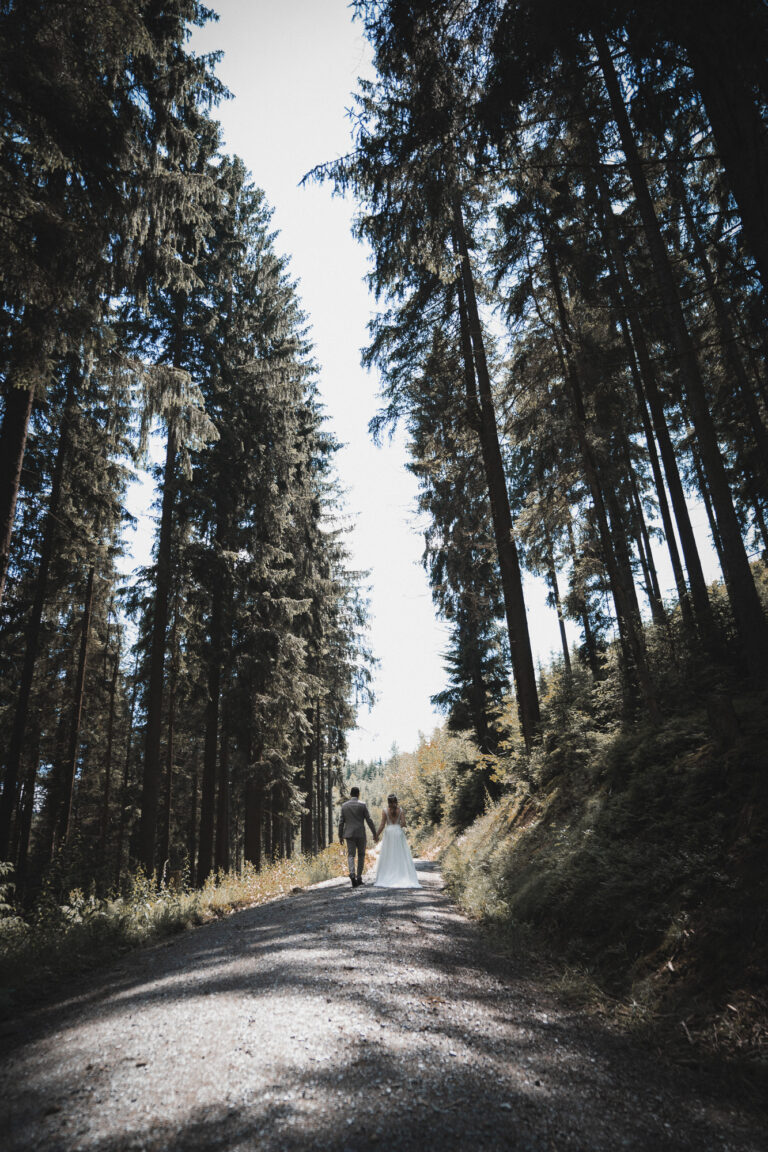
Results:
396 868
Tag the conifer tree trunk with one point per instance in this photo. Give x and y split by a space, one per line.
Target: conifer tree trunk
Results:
701 481
13 442
192 836
734 116
731 354
590 645
320 780
223 853
77 713
237 840
165 838
649 397
126 775
267 824
277 822
661 491
476 368
650 581
104 829
643 539
617 566
552 578
620 534
254 817
150 793
745 603
210 747
55 791
330 805
760 521
308 841
32 639
589 638
26 810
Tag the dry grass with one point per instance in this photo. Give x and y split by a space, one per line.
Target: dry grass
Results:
59 940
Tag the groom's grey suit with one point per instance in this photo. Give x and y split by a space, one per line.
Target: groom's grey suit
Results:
354 817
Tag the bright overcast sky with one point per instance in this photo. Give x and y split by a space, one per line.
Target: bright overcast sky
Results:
291 66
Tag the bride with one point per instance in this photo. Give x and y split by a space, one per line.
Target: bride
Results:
396 868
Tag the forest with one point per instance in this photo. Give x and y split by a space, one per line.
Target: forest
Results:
565 207
190 718
567 213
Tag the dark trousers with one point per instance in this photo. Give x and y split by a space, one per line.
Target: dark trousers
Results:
356 844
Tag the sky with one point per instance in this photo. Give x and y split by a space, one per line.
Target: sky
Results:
292 66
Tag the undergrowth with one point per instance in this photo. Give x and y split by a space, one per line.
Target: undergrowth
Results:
635 856
58 940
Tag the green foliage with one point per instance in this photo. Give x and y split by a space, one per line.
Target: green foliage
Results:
10 922
250 607
372 778
634 854
446 780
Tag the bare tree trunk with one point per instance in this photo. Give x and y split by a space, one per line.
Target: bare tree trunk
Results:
622 585
165 837
480 393
308 841
212 726
745 603
254 818
267 824
150 794
701 480
77 712
331 829
104 823
643 541
730 352
210 748
552 578
716 54
277 821
126 774
26 809
13 442
32 639
589 638
649 396
192 837
760 521
320 780
223 862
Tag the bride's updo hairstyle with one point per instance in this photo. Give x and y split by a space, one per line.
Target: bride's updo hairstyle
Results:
392 799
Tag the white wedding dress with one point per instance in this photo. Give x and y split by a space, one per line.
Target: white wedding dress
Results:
396 868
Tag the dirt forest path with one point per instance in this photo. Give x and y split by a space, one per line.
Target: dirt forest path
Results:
341 1019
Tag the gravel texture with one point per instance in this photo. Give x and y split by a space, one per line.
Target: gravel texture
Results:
337 1019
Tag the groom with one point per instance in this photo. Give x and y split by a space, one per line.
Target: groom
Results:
354 817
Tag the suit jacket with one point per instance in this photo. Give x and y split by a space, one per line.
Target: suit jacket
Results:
354 817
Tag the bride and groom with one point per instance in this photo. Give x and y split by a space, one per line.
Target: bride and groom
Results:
396 868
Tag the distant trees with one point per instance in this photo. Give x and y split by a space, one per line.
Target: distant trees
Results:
559 176
166 721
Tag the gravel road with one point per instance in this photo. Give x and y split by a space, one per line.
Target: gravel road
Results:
336 1019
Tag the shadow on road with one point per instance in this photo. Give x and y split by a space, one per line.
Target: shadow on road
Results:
344 1016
